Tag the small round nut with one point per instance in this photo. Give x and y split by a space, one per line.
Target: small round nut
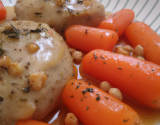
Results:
116 93
124 50
140 57
71 119
138 51
105 86
77 55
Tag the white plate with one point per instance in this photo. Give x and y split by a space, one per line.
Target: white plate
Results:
147 11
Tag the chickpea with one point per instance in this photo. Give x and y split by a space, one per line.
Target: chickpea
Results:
105 86
138 51
140 57
116 93
71 119
77 55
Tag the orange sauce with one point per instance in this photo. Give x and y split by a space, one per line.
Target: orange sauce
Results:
57 116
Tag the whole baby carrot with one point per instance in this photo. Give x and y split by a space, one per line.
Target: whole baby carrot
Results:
87 38
92 106
140 33
2 11
136 78
30 122
118 21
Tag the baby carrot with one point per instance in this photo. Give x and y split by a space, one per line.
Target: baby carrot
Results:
2 11
118 21
92 106
140 33
87 38
30 122
136 78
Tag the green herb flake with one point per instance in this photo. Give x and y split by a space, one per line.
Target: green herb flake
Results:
89 84
1 44
1 52
1 99
38 13
153 69
79 2
120 68
154 101
13 34
87 90
125 120
83 92
114 15
73 74
77 87
26 90
87 108
72 83
106 98
23 99
35 31
86 31
71 96
81 100
116 30
70 11
95 56
58 11
98 98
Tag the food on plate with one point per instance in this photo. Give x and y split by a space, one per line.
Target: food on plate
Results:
88 38
118 21
134 77
60 14
93 106
30 122
71 119
115 92
35 65
105 86
127 50
30 89
2 11
141 33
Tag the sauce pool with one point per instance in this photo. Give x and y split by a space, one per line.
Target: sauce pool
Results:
57 116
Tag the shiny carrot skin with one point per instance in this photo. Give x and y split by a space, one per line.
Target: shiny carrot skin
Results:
92 106
140 33
2 11
136 78
87 38
118 21
30 122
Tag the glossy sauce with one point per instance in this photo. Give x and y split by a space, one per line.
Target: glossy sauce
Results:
56 117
